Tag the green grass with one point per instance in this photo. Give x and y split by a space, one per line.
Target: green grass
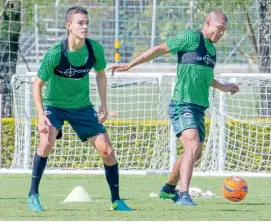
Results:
136 191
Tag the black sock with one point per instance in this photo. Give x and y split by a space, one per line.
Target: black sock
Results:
168 188
38 168
112 177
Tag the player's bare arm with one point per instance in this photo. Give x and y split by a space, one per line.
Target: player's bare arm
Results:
230 87
66 98
147 56
44 123
102 85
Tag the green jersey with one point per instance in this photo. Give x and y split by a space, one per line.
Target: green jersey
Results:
193 81
68 93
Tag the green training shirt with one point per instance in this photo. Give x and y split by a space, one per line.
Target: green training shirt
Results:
68 93
193 81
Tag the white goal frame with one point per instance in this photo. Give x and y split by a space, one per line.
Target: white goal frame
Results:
173 152
27 132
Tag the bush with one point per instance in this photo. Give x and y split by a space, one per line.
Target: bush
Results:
248 147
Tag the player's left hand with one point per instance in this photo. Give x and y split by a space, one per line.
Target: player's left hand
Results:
232 88
102 113
119 68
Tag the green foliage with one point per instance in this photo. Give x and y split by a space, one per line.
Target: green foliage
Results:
136 23
237 28
247 143
7 141
228 7
28 7
174 16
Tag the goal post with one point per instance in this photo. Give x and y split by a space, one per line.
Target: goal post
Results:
238 127
137 125
240 130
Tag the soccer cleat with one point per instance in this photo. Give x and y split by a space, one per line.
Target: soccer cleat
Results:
120 205
165 195
34 203
186 200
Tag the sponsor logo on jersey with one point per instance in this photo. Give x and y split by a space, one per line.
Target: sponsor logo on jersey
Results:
207 59
71 71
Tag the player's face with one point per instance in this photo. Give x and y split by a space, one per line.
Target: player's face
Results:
78 26
216 29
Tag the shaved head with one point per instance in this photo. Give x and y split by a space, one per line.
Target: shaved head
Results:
215 25
216 15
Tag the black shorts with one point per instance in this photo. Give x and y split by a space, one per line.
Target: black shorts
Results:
84 121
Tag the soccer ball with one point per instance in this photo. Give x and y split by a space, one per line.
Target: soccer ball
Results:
234 188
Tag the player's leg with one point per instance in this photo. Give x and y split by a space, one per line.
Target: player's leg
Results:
190 141
103 145
174 176
40 160
85 123
168 191
183 117
192 138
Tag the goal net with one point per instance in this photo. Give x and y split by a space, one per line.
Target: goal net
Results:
137 125
238 127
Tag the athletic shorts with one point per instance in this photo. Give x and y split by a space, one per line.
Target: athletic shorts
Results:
187 116
84 121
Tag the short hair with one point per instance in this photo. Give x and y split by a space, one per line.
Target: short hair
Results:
74 10
215 14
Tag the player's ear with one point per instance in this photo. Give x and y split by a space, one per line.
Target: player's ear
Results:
207 22
68 25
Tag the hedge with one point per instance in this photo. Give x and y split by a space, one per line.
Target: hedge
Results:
248 146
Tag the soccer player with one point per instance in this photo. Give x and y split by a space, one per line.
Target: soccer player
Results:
65 71
195 74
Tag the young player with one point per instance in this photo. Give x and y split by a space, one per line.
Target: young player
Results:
65 70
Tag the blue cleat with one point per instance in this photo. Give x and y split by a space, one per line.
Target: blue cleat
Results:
165 195
186 200
120 205
34 203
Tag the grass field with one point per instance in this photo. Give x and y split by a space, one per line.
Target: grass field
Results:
136 191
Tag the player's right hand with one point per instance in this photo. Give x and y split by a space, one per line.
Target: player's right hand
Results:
119 68
44 124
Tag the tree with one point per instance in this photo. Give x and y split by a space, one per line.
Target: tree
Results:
260 47
10 29
264 53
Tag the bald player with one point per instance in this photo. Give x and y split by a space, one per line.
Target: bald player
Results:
195 74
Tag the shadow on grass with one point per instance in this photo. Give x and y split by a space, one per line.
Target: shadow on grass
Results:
245 204
70 210
29 216
228 210
12 198
257 204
